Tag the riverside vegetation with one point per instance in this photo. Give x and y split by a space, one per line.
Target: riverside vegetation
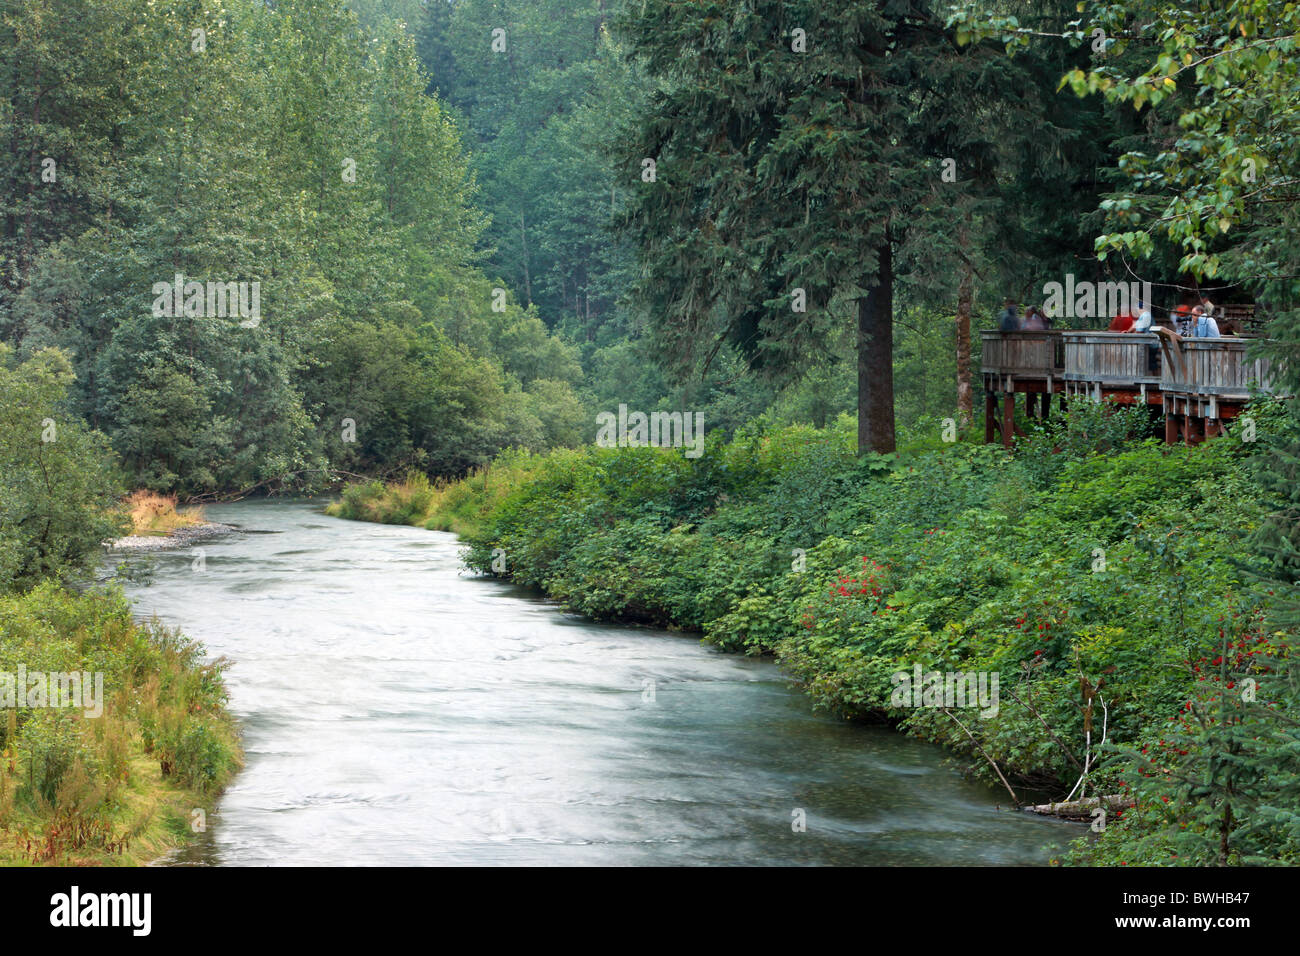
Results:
122 786
1097 571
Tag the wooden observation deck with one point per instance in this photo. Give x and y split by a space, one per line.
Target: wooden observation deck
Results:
1199 384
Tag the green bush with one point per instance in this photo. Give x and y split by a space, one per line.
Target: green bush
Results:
58 486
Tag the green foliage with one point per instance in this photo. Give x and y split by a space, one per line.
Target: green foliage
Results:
292 148
406 502
1088 428
81 787
57 483
538 113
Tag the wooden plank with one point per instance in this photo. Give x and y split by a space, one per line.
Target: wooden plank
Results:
1022 354
1214 368
1118 358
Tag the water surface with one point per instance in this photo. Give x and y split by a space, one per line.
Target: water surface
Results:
398 710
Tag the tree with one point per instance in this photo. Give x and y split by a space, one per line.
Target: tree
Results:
58 485
796 149
539 85
280 146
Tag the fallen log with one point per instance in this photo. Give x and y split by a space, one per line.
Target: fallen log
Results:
1081 809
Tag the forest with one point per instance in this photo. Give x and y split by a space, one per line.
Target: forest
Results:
680 314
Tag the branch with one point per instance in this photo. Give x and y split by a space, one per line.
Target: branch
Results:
1069 753
991 761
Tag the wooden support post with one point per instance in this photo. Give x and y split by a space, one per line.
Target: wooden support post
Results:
1171 427
1008 418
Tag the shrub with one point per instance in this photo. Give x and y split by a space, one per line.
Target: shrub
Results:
58 484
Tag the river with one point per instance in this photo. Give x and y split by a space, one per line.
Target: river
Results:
399 710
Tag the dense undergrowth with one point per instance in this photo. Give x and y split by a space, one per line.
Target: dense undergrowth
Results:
88 776
117 778
1098 573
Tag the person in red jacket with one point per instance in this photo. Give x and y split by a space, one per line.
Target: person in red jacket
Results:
1122 322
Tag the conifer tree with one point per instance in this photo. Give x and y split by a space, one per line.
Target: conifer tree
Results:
787 153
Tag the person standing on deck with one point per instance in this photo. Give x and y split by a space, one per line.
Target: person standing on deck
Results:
1009 317
1183 320
1145 323
1144 320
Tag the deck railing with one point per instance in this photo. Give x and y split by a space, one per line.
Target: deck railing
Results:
1220 367
1223 368
1110 358
1021 354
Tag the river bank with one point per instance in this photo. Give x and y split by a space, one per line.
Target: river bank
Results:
118 739
957 560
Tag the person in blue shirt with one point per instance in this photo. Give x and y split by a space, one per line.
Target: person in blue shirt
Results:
1144 320
1203 324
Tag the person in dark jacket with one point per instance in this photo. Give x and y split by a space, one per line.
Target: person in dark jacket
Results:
1009 317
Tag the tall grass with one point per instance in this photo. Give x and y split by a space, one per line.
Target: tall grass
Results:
119 787
460 506
155 514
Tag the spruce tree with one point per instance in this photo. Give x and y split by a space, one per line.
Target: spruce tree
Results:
787 154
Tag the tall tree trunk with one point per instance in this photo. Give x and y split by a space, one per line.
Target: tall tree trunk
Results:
876 358
965 296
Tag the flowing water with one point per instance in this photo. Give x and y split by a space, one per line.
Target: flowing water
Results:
398 710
